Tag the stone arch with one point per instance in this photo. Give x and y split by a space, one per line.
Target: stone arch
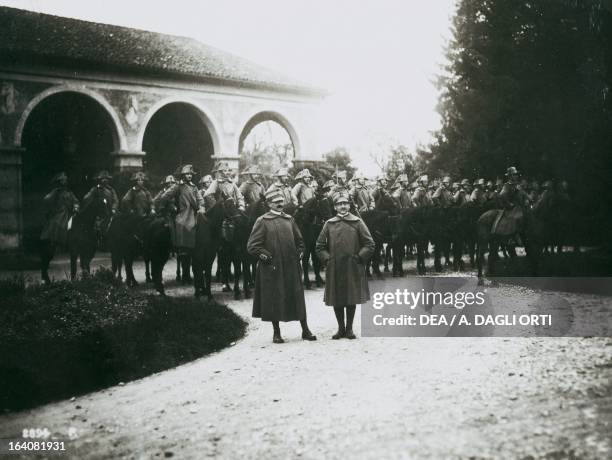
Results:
260 116
119 137
204 113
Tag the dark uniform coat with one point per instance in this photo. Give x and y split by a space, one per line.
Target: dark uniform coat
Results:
60 205
442 197
420 197
188 202
108 195
137 201
251 191
279 294
346 245
363 199
301 193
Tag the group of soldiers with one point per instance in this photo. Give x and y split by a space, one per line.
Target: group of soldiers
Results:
180 199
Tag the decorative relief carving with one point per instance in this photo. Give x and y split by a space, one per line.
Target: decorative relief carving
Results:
131 111
7 98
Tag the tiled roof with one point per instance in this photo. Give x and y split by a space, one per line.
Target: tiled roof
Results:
28 37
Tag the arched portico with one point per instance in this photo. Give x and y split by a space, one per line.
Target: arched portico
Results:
259 116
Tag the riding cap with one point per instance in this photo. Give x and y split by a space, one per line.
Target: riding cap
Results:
206 178
423 179
274 194
328 185
465 182
340 197
169 180
138 175
302 174
251 170
104 174
480 181
281 172
187 169
59 176
220 166
511 171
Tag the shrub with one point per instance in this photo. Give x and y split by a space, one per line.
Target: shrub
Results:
73 337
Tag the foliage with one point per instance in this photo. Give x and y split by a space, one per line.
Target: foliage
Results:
529 84
98 333
339 159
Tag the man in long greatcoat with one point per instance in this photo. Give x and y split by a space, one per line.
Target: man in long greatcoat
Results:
252 189
279 294
60 205
346 246
137 201
104 190
188 203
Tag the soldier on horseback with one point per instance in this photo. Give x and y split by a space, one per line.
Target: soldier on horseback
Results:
302 191
103 189
137 200
419 197
461 197
223 185
281 183
188 202
478 196
251 189
442 196
361 195
402 194
380 189
60 205
204 183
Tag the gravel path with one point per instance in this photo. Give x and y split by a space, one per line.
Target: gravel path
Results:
369 398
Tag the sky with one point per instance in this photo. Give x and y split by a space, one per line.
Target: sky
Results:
378 58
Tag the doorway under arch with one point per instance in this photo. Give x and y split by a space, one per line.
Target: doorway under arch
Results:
66 131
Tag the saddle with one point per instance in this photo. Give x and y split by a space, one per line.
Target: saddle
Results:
508 222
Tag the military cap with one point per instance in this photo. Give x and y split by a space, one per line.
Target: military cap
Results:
220 166
274 194
206 178
303 173
58 177
187 169
104 174
511 171
465 182
480 181
254 169
381 178
456 184
169 180
547 185
340 196
281 172
358 175
329 184
138 175
423 179
446 180
401 178
490 183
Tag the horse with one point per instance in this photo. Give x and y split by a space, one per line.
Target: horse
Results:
529 230
412 227
207 242
82 238
378 223
310 218
128 237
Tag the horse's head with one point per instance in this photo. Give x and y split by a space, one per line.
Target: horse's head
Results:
386 202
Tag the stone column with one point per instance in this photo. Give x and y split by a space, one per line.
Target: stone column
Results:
11 224
128 160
